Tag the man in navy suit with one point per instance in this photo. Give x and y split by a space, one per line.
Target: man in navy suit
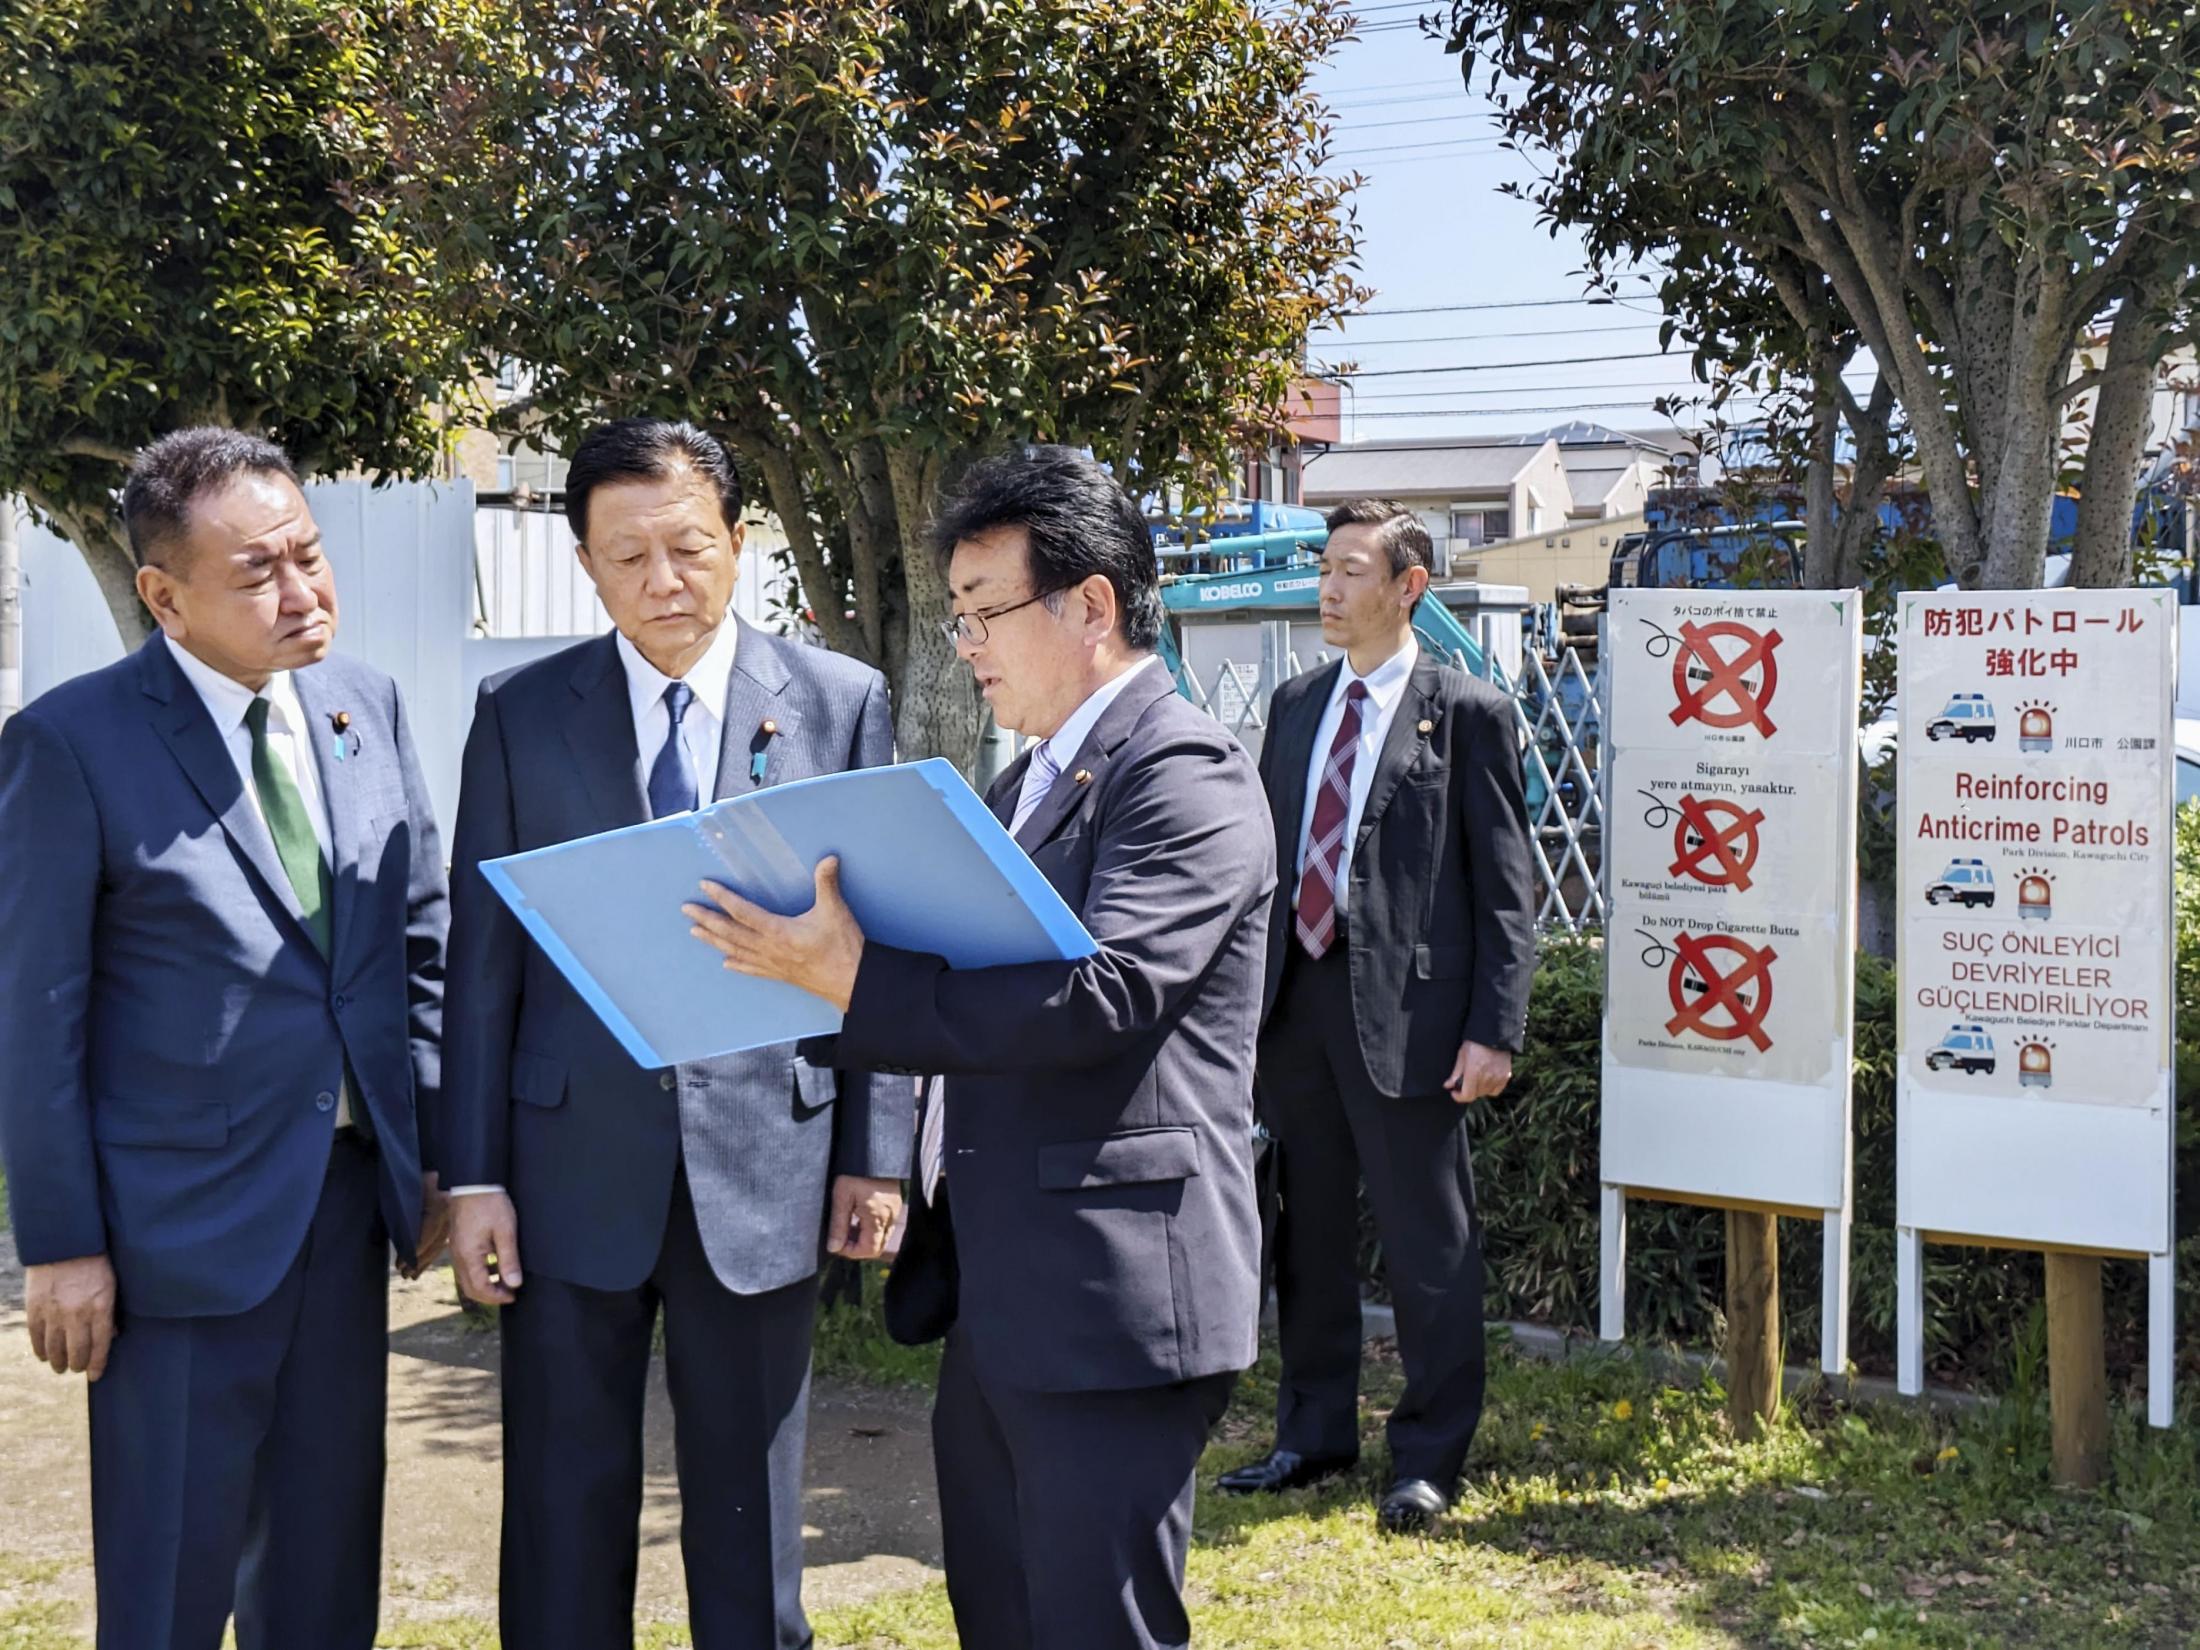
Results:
221 965
1090 1168
706 1190
1401 950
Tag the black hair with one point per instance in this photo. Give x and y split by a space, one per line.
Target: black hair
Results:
647 449
1401 536
169 473
1399 533
1079 521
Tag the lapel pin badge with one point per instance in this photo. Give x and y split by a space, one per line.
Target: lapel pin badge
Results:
1083 776
343 742
757 751
1428 727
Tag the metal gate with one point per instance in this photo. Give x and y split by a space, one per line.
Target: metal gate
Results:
1555 713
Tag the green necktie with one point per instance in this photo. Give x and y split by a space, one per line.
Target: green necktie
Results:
295 844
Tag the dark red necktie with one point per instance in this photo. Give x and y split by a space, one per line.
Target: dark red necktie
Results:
1317 919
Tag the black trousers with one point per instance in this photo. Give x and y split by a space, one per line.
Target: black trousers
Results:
576 1377
1332 1128
237 1461
1065 1516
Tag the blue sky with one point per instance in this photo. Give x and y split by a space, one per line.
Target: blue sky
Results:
1436 233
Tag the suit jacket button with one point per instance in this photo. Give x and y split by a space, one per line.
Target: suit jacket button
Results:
338 1000
667 1081
324 1101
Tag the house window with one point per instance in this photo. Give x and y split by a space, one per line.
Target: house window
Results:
1475 528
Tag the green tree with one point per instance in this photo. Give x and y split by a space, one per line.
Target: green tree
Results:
1978 200
183 240
865 241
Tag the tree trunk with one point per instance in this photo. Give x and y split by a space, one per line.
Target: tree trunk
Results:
2108 487
1821 536
99 539
937 709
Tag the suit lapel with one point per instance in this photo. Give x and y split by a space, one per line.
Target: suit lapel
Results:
182 721
347 825
1091 758
754 696
600 734
1294 754
1403 742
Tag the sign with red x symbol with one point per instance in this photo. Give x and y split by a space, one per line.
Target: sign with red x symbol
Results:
1715 843
1712 669
1720 1002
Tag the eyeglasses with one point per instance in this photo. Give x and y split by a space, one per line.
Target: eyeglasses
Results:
968 629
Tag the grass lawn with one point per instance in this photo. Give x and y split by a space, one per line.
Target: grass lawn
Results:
1608 1509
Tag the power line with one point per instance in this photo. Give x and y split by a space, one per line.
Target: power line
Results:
1459 95
1547 389
1473 337
1519 389
1400 86
1455 146
1463 444
1503 366
1415 160
1521 412
1500 303
1423 120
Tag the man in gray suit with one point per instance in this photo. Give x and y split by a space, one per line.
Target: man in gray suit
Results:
704 1189
1095 1141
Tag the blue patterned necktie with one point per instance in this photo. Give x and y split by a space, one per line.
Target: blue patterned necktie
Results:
672 779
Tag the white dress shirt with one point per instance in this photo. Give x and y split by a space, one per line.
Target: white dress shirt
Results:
1062 744
703 728
289 741
227 700
1047 760
1386 691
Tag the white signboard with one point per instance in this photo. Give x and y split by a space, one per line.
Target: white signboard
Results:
1729 857
2036 1024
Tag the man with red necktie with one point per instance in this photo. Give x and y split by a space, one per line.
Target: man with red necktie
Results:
1400 952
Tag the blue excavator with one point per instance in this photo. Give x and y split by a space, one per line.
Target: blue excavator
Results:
1275 574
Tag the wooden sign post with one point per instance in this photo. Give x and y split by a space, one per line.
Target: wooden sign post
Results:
2035 1108
1729 986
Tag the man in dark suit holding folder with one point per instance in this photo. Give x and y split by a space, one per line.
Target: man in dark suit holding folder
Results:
703 1190
1094 1138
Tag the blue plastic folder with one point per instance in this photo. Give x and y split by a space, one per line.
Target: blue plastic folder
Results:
924 865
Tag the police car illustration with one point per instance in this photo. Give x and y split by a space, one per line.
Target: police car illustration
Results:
1968 716
1965 882
1968 1049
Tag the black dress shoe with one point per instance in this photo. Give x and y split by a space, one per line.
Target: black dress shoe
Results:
1282 1469
1411 1505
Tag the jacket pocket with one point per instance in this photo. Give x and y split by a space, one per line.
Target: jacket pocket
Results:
814 1087
1119 1160
1441 962
537 1079
199 1124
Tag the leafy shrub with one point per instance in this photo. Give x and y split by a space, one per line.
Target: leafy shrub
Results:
1536 1180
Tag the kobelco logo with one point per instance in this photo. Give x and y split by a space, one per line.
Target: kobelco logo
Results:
1227 592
